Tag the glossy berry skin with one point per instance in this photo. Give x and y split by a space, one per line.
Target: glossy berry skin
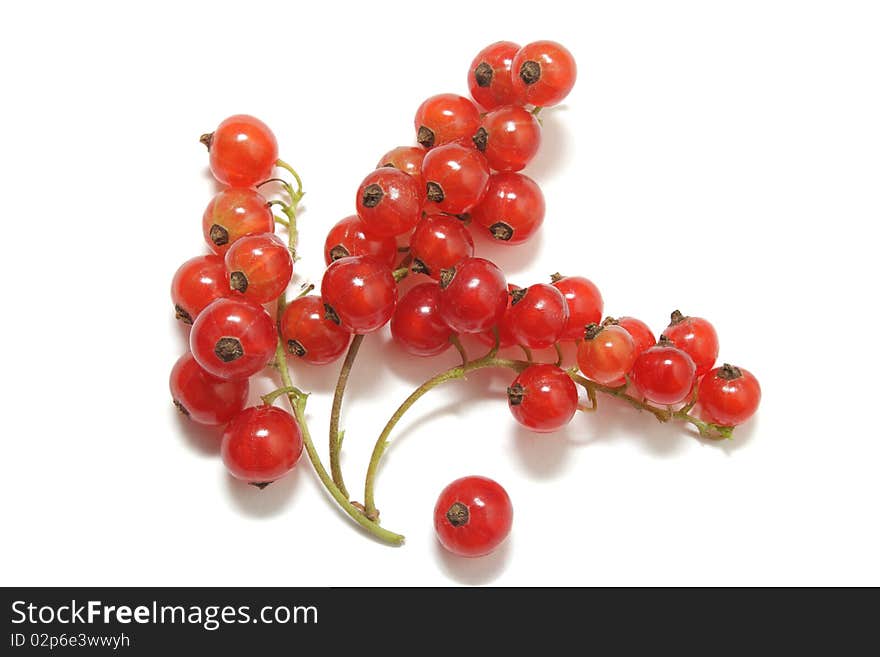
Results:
456 178
417 325
543 73
359 294
407 159
203 398
489 77
728 396
537 316
232 214
259 267
473 295
506 338
351 237
388 202
309 335
512 209
639 331
509 137
243 151
233 339
543 398
198 282
439 242
664 374
445 118
261 444
584 302
606 354
695 336
473 516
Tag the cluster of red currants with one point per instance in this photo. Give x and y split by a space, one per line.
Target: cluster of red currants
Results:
222 295
415 213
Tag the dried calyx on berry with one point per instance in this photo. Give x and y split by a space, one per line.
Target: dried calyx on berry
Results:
516 295
515 394
729 372
483 74
372 196
207 139
458 514
446 277
338 252
219 235
425 137
677 318
530 71
228 349
330 314
434 192
592 330
501 231
238 281
296 348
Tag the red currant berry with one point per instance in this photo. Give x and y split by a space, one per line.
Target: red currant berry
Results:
537 315
473 295
203 398
506 338
512 209
584 304
359 294
728 395
233 339
664 374
261 444
197 283
234 213
489 77
543 398
439 242
259 267
606 354
309 335
417 325
456 178
473 516
639 331
445 118
696 337
243 151
543 73
351 237
407 159
509 137
388 202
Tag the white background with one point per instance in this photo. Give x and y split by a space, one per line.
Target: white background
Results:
721 158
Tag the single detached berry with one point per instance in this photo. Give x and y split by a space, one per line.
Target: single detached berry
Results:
489 78
243 151
473 295
259 267
606 354
407 159
417 325
543 398
233 339
388 202
309 335
439 242
456 178
473 516
509 137
641 333
204 398
359 294
664 374
506 338
261 444
537 316
351 237
695 336
198 282
234 213
512 209
543 73
728 395
445 118
584 304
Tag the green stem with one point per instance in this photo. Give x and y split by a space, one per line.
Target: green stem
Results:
336 411
459 347
459 372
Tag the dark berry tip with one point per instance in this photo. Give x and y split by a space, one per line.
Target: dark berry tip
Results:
458 514
483 75
228 349
296 348
515 394
446 277
434 192
207 139
517 295
338 252
664 341
182 315
425 137
181 408
260 484
729 372
219 235
592 330
372 196
481 139
556 277
419 267
238 281
676 318
501 231
530 72
610 321
330 314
